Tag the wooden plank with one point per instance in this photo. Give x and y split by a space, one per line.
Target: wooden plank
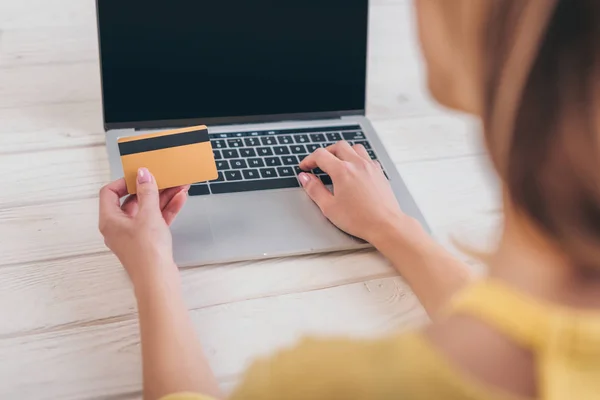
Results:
48 45
49 84
68 173
52 176
104 360
79 291
450 192
39 13
49 231
51 126
460 198
415 139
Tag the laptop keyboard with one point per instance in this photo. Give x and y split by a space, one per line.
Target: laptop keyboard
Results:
266 160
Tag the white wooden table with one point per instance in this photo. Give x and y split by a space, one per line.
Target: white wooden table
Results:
68 325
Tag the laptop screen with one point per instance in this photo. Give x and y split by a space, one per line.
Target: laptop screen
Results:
193 59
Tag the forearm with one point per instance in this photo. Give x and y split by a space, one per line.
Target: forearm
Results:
173 360
433 273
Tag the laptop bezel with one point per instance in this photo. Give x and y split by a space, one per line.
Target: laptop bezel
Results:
251 119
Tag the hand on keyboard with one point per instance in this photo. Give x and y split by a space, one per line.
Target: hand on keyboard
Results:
363 202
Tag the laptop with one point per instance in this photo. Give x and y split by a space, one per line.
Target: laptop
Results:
273 80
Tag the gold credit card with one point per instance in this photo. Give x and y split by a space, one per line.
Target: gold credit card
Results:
177 157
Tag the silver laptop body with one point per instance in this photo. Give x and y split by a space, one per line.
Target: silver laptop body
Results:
217 228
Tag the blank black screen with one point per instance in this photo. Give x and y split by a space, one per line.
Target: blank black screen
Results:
193 59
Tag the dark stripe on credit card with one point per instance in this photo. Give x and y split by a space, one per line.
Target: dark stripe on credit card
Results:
163 142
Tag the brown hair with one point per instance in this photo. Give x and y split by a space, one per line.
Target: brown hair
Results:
542 126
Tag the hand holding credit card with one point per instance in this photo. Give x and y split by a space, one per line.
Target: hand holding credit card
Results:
175 158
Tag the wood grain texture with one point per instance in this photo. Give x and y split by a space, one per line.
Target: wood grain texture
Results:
76 170
52 176
79 291
103 360
50 126
448 191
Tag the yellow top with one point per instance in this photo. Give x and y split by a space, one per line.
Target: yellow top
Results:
566 344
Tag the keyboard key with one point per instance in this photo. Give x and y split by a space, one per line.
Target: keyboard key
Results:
231 153
248 153
286 171
255 163
264 151
290 160
268 173
218 144
268 141
281 150
238 164
298 149
233 175
252 141
240 134
326 179
273 161
301 157
217 154
354 135
312 147
328 144
372 154
317 137
285 140
318 171
334 137
221 178
366 144
222 165
247 186
235 143
198 190
297 170
301 138
251 174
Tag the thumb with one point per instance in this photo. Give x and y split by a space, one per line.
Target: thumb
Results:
147 191
316 190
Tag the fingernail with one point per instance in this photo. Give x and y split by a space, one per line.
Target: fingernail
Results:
304 178
144 176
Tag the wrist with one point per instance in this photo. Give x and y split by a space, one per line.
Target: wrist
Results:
156 277
398 231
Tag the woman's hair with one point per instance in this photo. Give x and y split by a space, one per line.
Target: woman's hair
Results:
542 116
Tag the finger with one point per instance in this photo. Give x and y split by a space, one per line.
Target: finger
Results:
167 195
130 205
147 191
361 151
323 159
316 190
110 196
174 206
343 151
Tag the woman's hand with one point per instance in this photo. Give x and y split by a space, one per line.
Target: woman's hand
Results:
138 231
363 203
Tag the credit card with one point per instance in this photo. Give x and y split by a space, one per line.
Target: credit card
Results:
176 157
